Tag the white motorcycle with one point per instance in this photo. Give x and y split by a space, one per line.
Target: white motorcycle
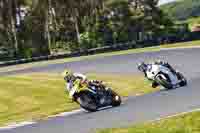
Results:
164 76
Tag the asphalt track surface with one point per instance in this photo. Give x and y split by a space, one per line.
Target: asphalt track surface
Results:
135 109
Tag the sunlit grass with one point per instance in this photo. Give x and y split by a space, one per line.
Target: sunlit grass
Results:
189 123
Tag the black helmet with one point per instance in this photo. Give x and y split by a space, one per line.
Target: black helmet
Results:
142 67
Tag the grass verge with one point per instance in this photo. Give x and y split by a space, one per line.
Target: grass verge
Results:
131 51
188 123
37 96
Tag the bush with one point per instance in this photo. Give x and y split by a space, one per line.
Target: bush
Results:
90 40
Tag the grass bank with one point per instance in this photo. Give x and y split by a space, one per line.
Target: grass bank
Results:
188 123
131 51
37 96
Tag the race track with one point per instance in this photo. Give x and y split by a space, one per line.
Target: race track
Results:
135 109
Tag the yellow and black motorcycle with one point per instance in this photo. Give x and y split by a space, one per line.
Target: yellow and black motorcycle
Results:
96 96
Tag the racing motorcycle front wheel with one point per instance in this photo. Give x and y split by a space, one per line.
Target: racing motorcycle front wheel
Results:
116 99
182 78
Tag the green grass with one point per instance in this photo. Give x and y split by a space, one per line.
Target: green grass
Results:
182 45
188 123
192 22
125 85
131 51
37 96
30 97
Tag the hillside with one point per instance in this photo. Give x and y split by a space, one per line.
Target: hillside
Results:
182 9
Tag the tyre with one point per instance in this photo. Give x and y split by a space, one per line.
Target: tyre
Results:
182 78
164 81
87 101
116 99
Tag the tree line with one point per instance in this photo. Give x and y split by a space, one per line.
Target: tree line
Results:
182 10
42 27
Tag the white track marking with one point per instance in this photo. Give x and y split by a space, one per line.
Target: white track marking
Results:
189 47
175 115
12 126
67 113
22 124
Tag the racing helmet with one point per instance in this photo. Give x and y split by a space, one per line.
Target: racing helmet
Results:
67 75
142 67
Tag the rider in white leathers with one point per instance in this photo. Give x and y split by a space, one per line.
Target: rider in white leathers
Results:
152 69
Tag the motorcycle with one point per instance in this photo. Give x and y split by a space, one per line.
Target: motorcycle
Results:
164 76
96 96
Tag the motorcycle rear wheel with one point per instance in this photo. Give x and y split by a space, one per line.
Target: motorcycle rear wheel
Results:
87 101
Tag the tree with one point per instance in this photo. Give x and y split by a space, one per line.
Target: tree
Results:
37 25
11 16
77 25
10 22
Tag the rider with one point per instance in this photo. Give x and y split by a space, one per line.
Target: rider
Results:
146 69
74 80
